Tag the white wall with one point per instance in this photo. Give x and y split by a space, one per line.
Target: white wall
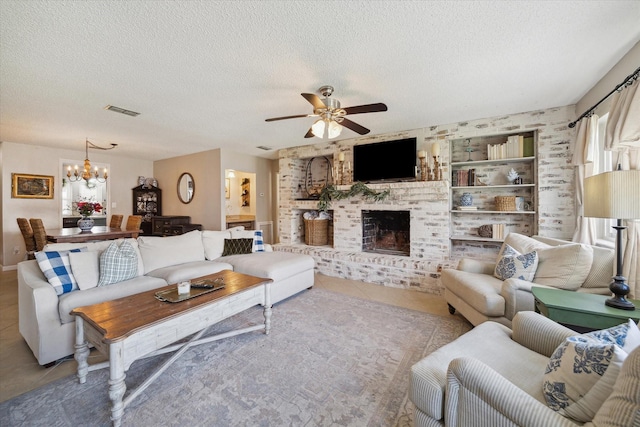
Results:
34 159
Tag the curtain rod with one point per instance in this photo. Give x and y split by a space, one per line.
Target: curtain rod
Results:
631 76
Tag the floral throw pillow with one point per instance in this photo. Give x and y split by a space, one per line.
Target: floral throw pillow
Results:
582 371
512 263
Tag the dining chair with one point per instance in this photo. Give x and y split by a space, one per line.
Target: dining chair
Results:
133 223
116 221
27 235
39 233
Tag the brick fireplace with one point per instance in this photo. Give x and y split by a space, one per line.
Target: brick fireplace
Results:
386 232
428 203
422 206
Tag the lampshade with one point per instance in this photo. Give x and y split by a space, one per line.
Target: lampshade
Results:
333 128
613 195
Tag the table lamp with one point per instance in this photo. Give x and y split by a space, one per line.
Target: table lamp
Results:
614 195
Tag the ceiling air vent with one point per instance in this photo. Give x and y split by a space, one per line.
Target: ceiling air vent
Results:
121 110
265 148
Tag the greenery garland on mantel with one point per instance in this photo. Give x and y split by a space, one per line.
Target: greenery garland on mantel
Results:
331 192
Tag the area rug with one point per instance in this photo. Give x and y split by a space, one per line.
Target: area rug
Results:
330 360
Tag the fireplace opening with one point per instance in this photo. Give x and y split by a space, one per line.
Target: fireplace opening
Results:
386 232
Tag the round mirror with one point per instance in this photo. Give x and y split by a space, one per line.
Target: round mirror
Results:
186 187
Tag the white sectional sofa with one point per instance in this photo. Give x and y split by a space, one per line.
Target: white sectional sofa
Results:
48 328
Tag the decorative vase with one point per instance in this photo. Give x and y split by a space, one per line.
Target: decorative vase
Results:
85 223
466 199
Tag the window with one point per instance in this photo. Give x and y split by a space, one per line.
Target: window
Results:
603 162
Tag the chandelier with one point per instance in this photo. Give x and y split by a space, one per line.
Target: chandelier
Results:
87 174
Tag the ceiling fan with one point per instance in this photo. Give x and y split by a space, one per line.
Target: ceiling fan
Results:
332 117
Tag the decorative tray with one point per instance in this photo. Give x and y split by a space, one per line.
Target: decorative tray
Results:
198 287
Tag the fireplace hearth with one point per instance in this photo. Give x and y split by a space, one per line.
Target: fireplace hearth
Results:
386 232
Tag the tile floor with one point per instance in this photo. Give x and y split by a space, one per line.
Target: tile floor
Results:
20 372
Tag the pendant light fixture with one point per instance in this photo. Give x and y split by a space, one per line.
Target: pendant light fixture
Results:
86 173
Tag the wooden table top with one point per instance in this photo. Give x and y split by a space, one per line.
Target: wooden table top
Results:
98 232
122 317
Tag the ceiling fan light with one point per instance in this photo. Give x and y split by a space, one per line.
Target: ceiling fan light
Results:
317 129
334 129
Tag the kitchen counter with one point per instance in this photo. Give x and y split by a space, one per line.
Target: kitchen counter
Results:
247 221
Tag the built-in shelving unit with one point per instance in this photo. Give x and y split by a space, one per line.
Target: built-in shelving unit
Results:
488 180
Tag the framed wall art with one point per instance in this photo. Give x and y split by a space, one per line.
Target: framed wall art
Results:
26 186
227 188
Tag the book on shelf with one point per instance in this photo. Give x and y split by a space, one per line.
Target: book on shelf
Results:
464 178
467 208
498 231
516 146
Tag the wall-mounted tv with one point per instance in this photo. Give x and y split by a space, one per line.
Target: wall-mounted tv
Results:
385 161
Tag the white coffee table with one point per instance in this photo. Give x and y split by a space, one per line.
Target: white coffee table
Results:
128 329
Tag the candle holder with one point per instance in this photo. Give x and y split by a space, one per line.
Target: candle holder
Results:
424 169
437 172
346 174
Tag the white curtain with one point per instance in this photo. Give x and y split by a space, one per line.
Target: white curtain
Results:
583 157
623 126
623 138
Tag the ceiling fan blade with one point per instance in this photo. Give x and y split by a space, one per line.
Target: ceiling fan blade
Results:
369 108
309 134
354 127
287 117
314 100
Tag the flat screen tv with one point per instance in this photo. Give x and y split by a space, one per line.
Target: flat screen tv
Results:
385 161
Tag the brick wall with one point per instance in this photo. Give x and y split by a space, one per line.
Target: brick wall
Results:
428 202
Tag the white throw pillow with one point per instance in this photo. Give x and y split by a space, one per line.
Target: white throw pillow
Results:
159 252
85 268
563 267
213 242
632 341
511 263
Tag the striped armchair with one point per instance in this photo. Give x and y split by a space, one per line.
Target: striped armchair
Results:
492 376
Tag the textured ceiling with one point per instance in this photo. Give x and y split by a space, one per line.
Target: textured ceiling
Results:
206 74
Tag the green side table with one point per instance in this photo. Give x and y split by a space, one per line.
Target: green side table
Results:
581 309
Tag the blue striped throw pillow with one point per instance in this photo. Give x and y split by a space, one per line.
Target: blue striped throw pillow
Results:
258 243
